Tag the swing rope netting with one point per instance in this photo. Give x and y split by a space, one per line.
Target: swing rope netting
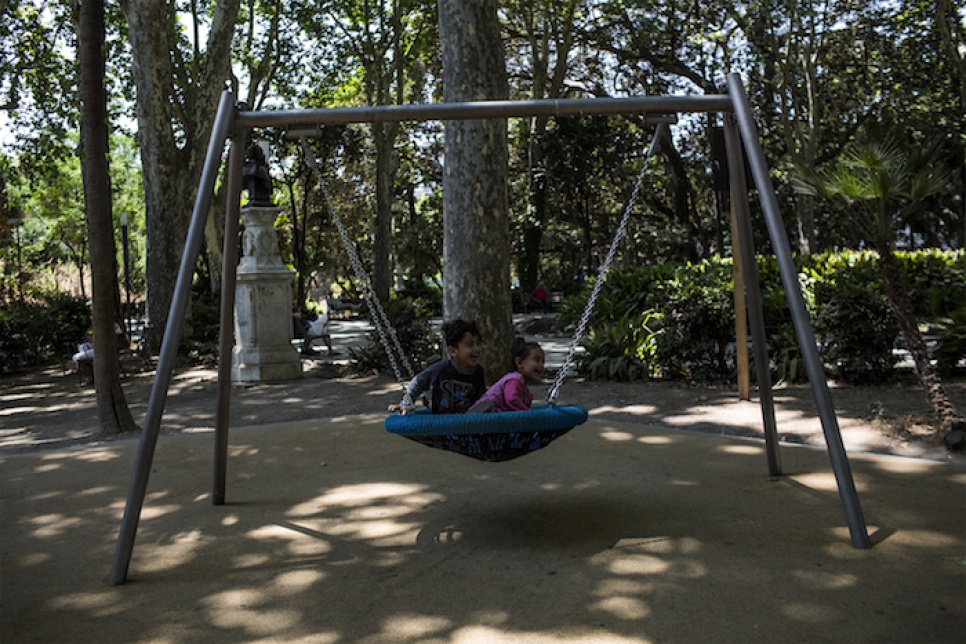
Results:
493 436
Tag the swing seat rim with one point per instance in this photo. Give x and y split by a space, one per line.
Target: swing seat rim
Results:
539 419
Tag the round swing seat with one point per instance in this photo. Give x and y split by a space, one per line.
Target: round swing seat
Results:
493 436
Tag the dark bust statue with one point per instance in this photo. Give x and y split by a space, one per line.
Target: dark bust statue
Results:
255 178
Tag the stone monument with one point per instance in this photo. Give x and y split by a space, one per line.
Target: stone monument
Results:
263 298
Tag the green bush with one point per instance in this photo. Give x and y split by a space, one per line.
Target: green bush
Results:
853 322
409 319
624 350
31 334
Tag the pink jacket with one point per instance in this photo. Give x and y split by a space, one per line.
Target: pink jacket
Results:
510 393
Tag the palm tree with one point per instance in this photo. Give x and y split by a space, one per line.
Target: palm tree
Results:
879 187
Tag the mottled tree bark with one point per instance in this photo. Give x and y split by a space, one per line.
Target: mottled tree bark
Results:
113 413
476 238
174 125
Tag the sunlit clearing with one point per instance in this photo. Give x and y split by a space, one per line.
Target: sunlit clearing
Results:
488 635
655 440
826 581
401 627
623 607
52 525
810 613
616 436
238 609
746 449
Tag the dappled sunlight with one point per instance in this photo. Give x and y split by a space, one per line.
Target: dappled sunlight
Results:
411 626
655 440
48 526
365 494
296 541
616 436
245 610
810 613
820 481
629 608
925 539
634 410
744 449
94 604
822 580
179 550
33 559
489 635
151 511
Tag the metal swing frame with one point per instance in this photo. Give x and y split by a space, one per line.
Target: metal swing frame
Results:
233 123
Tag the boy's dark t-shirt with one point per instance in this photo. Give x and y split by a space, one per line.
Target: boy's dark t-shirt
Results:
451 391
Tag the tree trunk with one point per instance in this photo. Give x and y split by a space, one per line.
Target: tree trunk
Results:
113 414
476 237
909 328
385 138
174 124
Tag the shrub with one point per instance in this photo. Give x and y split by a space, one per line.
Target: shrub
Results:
624 350
410 321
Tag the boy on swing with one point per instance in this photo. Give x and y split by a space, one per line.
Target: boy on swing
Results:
456 382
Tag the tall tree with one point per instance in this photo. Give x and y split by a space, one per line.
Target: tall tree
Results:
113 413
476 243
179 84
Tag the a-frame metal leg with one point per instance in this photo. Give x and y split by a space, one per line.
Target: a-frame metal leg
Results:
756 316
169 345
236 161
800 319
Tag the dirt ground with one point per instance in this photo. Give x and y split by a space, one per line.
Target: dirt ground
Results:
48 408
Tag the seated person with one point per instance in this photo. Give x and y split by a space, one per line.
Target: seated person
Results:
540 296
317 329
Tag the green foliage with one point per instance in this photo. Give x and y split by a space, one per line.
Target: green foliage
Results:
623 351
698 312
410 320
951 345
31 334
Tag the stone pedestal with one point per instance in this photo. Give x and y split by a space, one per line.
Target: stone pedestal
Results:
263 305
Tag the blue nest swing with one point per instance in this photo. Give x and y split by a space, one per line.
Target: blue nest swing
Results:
493 437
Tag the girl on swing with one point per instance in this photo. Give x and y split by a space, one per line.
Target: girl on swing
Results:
511 392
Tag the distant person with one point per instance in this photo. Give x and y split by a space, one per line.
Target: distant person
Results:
455 383
511 392
540 297
319 329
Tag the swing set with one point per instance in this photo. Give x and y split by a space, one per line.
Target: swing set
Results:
492 436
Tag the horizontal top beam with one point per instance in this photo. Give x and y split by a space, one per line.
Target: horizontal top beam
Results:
653 105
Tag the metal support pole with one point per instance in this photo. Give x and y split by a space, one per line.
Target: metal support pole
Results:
169 346
800 320
756 316
236 161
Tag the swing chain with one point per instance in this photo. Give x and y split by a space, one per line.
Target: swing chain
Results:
602 272
382 324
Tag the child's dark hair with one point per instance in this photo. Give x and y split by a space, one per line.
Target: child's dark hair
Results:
454 331
521 349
